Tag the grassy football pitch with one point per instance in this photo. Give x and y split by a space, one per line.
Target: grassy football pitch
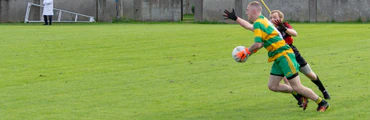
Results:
172 71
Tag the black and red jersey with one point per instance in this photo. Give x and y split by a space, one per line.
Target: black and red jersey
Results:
288 39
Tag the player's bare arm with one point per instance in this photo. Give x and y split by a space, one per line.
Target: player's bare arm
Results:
291 32
231 15
245 24
255 47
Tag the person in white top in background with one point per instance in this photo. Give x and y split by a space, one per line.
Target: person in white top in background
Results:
48 11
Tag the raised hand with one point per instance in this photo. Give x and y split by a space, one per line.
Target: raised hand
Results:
231 15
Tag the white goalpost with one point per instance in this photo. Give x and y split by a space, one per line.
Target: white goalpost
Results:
75 16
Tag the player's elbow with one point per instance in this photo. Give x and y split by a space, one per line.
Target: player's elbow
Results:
295 34
292 32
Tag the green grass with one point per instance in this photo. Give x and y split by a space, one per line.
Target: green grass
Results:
188 18
171 71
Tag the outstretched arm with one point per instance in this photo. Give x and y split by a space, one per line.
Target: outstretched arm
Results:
242 22
245 24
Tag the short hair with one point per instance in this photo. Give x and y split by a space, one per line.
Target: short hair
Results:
281 15
255 4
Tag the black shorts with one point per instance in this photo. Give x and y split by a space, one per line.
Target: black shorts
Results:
301 61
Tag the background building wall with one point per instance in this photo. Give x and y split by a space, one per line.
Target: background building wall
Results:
343 10
15 10
102 10
294 10
205 10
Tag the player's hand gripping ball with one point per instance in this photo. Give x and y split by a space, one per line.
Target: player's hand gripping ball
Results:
240 54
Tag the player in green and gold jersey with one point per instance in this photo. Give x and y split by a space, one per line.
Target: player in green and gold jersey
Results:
280 53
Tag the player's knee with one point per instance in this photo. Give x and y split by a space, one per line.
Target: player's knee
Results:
273 88
297 89
306 69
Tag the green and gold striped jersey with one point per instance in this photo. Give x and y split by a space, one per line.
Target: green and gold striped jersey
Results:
264 31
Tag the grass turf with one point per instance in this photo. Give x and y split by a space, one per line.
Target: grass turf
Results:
171 71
